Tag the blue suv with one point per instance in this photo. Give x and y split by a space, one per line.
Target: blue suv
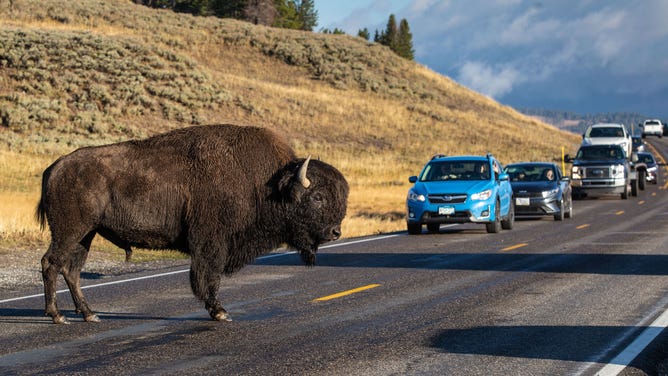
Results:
459 190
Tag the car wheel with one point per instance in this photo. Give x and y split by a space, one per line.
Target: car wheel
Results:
560 216
433 227
414 228
641 180
494 227
569 212
634 187
507 224
625 194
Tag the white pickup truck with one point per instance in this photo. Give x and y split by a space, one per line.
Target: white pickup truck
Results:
652 127
608 134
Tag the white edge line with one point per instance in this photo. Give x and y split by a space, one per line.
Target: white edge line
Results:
186 270
623 359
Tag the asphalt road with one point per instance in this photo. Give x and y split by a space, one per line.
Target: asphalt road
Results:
546 298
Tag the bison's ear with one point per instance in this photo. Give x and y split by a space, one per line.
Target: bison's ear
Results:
292 186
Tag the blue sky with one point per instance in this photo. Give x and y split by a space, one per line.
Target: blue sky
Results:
585 56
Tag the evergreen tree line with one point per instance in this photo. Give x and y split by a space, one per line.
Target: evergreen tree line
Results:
631 120
399 39
289 14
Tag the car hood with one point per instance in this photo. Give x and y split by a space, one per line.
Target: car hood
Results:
533 186
595 162
604 141
463 186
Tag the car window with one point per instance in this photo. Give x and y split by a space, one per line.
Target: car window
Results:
528 173
456 170
599 153
645 158
606 132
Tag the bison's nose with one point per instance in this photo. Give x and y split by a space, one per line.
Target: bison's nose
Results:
336 233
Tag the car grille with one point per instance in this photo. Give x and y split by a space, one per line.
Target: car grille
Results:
528 194
454 198
597 172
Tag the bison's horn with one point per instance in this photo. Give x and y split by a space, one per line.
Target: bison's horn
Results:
302 173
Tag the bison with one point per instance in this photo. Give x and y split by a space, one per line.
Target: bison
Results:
224 194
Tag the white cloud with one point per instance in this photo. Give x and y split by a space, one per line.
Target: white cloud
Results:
487 80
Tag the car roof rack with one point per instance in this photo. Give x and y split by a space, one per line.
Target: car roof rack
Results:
438 156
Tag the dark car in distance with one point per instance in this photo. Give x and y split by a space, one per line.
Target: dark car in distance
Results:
652 167
540 189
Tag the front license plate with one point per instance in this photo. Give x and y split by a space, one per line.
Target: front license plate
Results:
522 201
446 210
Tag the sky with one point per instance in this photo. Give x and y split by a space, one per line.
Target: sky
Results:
582 56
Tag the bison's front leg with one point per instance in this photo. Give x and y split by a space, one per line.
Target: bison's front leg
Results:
205 281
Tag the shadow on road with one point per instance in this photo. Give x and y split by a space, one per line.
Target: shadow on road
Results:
616 264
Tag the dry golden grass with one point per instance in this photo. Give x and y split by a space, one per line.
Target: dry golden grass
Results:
138 71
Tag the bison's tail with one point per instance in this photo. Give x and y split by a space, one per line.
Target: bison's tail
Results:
40 213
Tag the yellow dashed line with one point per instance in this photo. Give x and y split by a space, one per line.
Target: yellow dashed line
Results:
344 293
514 247
583 226
620 212
641 202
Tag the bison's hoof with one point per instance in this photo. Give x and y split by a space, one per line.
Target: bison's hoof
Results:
92 318
60 319
221 316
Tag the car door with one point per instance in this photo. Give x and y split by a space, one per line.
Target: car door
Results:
504 189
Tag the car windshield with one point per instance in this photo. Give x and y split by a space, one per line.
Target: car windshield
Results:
593 154
645 158
528 173
456 170
606 132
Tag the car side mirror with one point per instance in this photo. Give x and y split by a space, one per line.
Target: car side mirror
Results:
565 178
568 158
412 179
634 157
503 176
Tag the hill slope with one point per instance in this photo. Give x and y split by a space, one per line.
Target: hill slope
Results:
76 73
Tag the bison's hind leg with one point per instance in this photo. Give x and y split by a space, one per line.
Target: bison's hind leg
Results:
50 271
67 258
72 274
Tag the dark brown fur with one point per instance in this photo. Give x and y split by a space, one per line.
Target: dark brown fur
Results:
223 194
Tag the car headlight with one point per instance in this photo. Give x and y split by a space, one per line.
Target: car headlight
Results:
617 170
484 195
576 173
551 192
413 196
652 169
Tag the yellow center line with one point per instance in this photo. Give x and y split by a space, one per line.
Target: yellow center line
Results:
653 193
620 212
583 226
344 293
514 247
641 202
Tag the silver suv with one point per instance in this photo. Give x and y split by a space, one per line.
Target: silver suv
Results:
652 127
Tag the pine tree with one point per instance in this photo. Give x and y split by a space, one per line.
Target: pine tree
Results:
307 13
364 33
404 41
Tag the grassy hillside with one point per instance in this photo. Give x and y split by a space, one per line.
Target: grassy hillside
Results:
76 73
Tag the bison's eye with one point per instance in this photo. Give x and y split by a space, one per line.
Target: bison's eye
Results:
317 197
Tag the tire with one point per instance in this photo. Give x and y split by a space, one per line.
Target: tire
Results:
634 187
569 212
560 216
641 179
414 228
509 222
495 226
433 227
625 195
